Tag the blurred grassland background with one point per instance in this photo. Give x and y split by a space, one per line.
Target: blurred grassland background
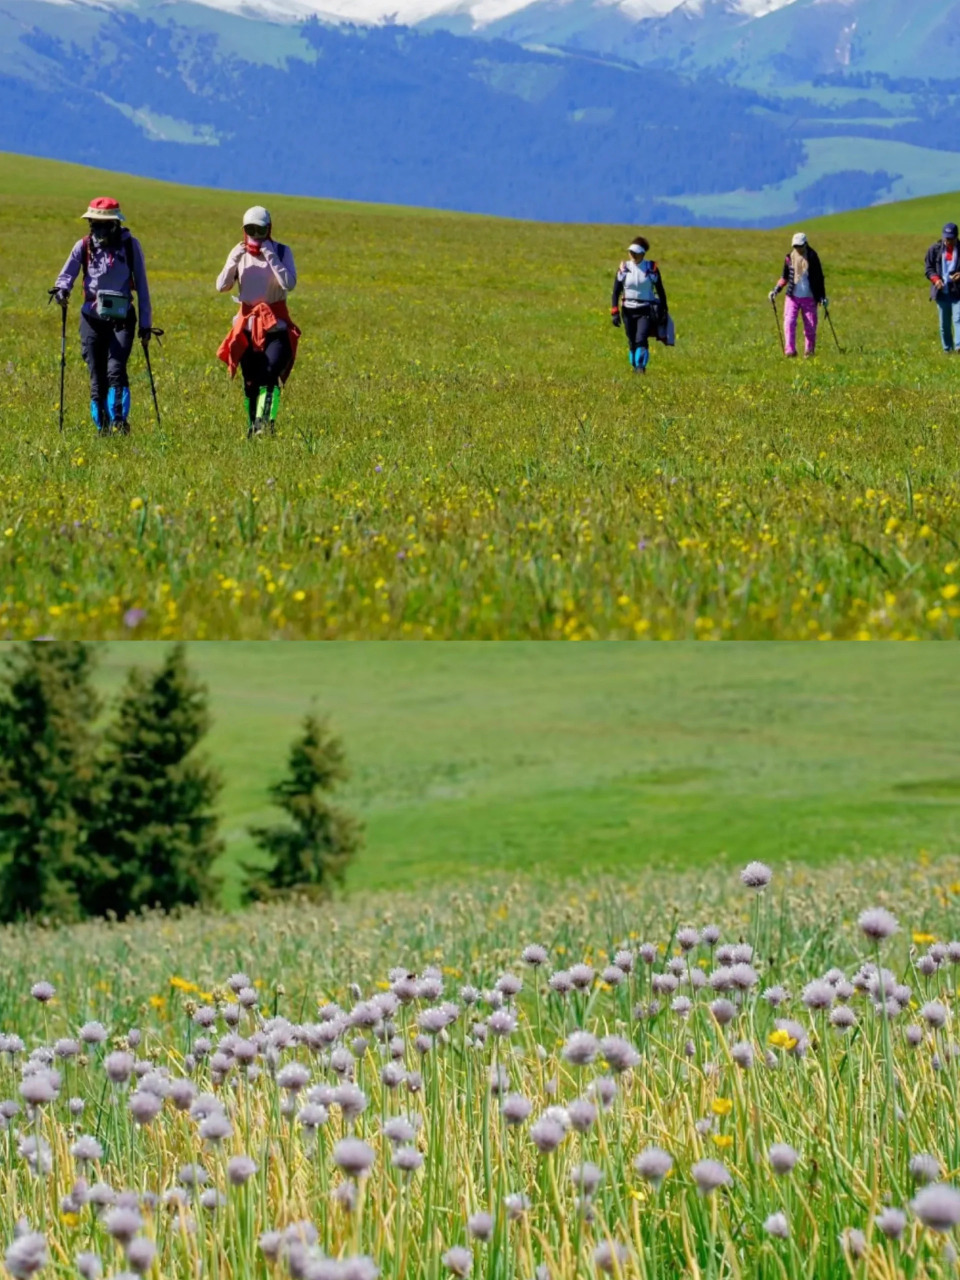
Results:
464 452
558 760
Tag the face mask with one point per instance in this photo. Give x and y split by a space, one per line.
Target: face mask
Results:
103 233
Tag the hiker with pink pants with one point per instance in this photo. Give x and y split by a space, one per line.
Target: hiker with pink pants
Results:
803 280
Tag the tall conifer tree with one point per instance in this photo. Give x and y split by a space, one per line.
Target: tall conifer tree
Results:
47 711
309 853
153 834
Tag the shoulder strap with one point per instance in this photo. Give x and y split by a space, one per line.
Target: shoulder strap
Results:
85 255
281 251
128 254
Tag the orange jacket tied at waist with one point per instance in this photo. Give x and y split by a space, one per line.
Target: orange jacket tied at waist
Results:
252 324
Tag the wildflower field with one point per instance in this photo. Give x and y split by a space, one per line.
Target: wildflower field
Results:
464 451
706 1075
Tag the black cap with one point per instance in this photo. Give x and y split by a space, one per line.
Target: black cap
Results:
950 231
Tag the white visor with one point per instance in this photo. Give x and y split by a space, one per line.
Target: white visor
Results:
636 248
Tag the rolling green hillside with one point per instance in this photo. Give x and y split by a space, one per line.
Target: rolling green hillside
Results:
558 759
923 217
464 450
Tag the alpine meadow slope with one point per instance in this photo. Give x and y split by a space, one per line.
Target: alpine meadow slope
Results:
464 451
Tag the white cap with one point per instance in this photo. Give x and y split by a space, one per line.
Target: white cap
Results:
636 248
799 240
258 216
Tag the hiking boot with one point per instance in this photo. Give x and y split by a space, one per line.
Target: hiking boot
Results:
256 428
121 427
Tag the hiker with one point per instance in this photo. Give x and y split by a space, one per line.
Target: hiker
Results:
110 260
803 280
639 285
263 339
942 267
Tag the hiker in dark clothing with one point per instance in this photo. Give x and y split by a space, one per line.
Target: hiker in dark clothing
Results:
942 268
639 286
111 264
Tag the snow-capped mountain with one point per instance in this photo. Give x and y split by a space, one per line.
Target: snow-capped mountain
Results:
478 13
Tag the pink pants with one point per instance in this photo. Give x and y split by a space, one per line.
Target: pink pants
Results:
792 308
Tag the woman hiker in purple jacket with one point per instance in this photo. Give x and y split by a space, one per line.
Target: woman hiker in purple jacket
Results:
803 280
111 263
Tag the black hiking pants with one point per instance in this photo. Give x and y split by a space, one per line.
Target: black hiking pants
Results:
106 349
265 368
640 322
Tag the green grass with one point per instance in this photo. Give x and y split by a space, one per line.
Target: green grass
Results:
465 453
475 758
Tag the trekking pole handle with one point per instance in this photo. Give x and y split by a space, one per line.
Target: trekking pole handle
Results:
155 333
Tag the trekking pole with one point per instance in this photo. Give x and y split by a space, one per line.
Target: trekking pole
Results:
776 322
63 349
826 312
158 334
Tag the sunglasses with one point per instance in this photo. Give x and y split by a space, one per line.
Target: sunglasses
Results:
256 233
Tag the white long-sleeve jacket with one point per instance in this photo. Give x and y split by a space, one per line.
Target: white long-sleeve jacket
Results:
268 277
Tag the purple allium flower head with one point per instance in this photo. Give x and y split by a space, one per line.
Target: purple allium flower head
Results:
215 1127
924 1168
458 1260
534 955
582 1114
66 1048
270 1244
212 1200
853 1241
581 1048
43 991
140 1255
891 1222
89 1265
480 1226
561 982
293 1077
782 1158
193 1175
133 617
618 1054
39 1088
687 938
509 985
582 976
756 875
516 1205
612 975
842 1018
237 981
710 935
359 1268
351 1100
353 1156
709 1175
398 1129
681 1006
878 923
586 1177
546 1134
653 1164
723 1011
407 1159
776 1225
664 984
240 1169
502 1022
118 1066
26 1255
86 1147
122 1223
144 1106
515 1108
609 1256
934 1014
818 995
604 1089
311 1116
93 1033
743 976
742 1054
414 1082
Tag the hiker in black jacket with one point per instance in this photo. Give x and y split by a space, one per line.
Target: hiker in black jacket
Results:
638 285
803 280
942 268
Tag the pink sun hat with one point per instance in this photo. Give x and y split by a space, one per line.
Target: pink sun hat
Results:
104 209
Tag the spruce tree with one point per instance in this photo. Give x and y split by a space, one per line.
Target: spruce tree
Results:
47 710
309 853
153 832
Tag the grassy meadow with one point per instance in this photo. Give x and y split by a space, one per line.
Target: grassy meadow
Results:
464 451
672 1076
474 759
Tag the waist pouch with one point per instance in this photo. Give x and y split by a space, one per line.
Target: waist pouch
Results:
111 305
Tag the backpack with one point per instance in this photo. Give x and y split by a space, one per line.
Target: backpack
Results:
127 253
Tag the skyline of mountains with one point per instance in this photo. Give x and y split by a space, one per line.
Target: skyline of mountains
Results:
737 112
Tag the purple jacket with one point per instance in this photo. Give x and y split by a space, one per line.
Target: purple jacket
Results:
107 269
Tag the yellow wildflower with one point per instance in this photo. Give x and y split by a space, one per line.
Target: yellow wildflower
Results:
782 1040
722 1106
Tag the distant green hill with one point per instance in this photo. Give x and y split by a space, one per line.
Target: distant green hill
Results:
923 217
560 759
